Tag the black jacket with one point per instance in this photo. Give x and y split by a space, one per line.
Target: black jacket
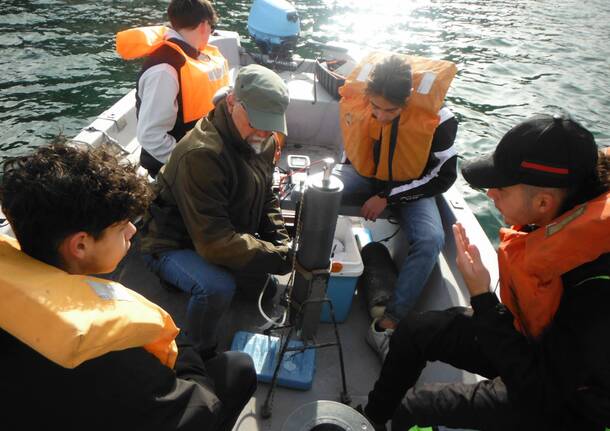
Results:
564 379
122 390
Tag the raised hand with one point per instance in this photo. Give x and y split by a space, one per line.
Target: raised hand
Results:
469 262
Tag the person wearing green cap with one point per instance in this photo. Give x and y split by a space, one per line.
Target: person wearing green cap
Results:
215 214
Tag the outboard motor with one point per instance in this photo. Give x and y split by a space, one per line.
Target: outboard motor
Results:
274 26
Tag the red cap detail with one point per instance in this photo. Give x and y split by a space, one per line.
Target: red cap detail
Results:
543 168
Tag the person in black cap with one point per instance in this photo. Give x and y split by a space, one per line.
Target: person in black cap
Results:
543 349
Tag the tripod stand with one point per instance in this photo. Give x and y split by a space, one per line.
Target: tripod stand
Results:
317 281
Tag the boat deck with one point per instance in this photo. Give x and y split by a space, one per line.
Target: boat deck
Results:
361 362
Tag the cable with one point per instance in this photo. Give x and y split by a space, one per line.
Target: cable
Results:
389 237
270 321
295 171
286 192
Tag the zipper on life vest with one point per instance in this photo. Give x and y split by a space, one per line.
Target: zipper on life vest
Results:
377 152
392 147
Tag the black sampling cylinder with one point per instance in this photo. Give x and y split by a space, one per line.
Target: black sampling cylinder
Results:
320 210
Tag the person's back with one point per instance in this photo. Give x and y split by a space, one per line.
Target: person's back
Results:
81 351
178 79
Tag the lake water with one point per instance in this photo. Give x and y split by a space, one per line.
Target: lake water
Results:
515 58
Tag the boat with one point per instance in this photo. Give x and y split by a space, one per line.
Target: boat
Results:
312 119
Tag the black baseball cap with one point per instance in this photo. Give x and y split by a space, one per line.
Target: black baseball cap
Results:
544 151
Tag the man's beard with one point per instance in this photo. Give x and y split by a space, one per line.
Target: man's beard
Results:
256 142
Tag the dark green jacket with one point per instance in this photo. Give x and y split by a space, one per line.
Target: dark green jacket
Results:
214 196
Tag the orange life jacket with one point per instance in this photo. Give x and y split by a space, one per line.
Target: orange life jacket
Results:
199 78
417 123
531 264
280 141
70 319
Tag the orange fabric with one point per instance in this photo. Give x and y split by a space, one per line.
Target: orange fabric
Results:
199 79
531 264
74 318
418 119
280 140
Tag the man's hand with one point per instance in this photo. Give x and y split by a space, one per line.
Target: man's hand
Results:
373 207
469 262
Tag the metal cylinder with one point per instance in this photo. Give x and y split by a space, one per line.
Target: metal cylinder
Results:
320 212
321 205
326 416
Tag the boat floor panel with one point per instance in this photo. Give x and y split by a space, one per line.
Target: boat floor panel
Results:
361 363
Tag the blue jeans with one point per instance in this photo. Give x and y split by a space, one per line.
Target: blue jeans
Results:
421 221
210 286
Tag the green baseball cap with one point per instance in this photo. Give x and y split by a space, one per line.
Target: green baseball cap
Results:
265 97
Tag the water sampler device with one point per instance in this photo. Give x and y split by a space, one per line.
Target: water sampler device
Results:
287 357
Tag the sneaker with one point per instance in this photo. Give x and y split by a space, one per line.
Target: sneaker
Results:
377 311
379 340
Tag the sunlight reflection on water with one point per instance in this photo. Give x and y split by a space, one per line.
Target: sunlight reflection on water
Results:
514 58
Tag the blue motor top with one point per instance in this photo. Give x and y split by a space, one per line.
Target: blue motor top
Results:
274 25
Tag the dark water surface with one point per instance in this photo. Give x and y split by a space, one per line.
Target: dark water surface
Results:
515 58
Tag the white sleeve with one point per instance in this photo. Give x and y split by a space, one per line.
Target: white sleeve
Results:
158 90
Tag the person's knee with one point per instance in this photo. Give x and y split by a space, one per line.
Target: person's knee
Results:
242 367
217 290
225 287
438 237
432 243
404 332
418 328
